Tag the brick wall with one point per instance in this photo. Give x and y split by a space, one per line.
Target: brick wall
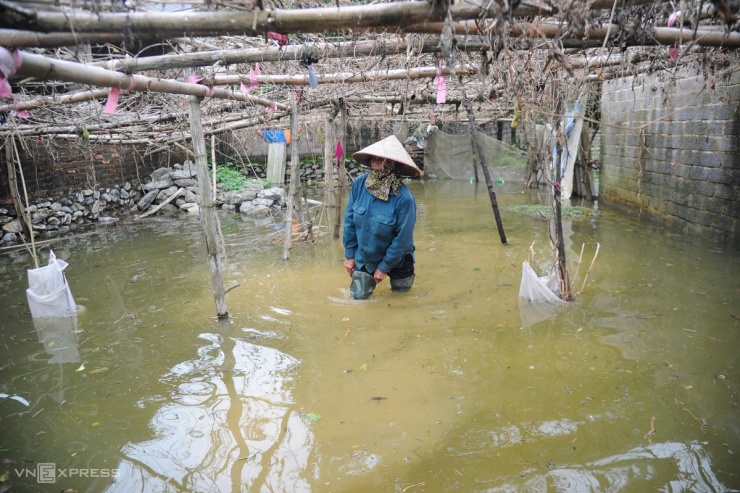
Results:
54 167
687 173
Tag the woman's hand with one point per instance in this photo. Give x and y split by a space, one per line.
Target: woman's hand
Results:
349 264
379 275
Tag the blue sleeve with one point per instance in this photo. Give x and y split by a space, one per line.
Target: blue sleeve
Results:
404 239
350 232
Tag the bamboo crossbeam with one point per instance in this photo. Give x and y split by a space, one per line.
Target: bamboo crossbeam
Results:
257 22
52 69
343 77
276 54
77 97
14 38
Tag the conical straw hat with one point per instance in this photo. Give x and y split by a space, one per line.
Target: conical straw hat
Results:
389 148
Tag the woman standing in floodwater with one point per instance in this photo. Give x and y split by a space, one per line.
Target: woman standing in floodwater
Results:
380 219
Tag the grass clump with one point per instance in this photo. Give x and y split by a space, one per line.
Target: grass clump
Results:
547 212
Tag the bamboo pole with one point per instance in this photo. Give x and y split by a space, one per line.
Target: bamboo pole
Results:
219 23
486 172
52 69
207 207
77 97
15 193
343 77
329 188
340 169
559 240
294 178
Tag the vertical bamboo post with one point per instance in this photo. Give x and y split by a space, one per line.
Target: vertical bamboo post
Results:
329 192
294 177
559 240
213 163
207 206
486 173
16 195
340 168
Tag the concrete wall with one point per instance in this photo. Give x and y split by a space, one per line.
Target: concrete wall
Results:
670 147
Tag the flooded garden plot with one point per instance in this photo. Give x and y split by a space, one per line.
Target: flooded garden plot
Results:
452 386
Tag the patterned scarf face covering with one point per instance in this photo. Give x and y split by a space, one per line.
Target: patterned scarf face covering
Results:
382 183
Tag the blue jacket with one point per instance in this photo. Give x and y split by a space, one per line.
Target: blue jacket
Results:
378 234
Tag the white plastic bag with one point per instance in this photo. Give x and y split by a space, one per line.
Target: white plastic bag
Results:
538 289
48 292
538 299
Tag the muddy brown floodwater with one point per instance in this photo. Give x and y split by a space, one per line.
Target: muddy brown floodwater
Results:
449 387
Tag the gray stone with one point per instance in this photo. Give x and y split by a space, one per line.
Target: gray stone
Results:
106 197
180 175
157 185
186 182
160 173
13 226
52 221
39 217
254 210
87 192
190 197
107 220
10 238
127 186
147 200
190 167
262 201
274 193
190 208
56 206
237 197
64 230
124 194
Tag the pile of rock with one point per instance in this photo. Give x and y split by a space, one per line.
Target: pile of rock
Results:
54 217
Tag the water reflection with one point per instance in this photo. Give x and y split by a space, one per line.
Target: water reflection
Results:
665 466
59 337
229 423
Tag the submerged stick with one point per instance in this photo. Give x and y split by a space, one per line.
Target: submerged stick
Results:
585 278
152 211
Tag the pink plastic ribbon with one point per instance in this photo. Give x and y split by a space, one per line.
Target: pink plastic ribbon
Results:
673 18
272 108
281 38
112 103
9 64
673 51
21 114
439 81
339 152
196 79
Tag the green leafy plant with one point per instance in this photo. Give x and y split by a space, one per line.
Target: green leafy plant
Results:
230 178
